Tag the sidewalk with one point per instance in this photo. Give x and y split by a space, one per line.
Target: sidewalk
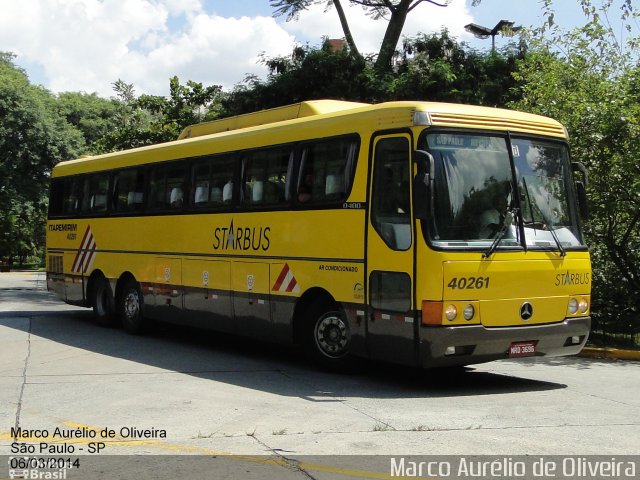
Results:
23 279
613 353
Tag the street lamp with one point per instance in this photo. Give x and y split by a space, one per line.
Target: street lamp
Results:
504 27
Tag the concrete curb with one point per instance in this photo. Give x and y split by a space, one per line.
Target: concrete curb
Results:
615 353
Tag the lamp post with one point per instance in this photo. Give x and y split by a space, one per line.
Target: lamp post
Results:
504 27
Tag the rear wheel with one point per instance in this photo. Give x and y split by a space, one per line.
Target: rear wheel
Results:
102 302
328 339
130 307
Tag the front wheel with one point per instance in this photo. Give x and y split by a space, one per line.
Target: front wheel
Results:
130 308
328 336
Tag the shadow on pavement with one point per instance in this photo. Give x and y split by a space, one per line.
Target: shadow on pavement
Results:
251 364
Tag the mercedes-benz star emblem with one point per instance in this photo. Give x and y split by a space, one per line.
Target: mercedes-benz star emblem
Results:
526 311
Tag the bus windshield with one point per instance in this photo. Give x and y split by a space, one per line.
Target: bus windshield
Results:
477 199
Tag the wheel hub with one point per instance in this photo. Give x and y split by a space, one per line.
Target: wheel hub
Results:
332 335
132 304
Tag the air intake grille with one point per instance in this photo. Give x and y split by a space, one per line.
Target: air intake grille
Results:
514 124
55 264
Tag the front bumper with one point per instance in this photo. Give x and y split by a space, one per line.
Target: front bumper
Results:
478 344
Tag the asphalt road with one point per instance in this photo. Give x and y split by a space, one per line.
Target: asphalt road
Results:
217 395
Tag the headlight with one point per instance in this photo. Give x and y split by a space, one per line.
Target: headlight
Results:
573 306
583 305
451 312
468 312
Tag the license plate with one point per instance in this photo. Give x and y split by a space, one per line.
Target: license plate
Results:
522 349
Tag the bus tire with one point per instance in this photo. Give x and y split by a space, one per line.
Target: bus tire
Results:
102 302
130 307
327 335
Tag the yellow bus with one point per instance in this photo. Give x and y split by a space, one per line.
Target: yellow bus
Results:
419 233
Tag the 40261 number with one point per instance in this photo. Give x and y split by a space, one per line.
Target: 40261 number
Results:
468 283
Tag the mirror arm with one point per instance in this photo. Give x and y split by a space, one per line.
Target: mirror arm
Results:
579 167
430 179
424 179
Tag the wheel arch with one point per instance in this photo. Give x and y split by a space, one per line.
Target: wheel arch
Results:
306 300
122 280
91 283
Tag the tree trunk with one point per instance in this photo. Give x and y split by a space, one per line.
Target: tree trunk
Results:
392 36
345 28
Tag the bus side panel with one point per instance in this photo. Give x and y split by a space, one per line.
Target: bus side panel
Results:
207 296
73 282
167 288
250 283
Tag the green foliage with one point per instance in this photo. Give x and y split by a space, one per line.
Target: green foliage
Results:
311 74
95 117
395 12
589 80
437 67
150 119
432 67
33 138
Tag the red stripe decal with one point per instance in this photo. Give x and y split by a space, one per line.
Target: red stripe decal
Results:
292 284
85 251
90 257
281 277
76 263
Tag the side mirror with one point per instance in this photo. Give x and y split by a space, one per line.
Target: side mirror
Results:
423 185
582 180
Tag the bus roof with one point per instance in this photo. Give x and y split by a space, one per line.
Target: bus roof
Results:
195 140
271 115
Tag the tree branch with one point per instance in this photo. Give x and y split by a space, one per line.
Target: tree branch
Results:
375 4
632 224
433 2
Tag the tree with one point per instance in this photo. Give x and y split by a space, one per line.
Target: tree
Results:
33 138
437 67
589 80
94 116
395 10
432 67
150 119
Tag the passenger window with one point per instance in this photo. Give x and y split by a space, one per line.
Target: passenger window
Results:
72 195
390 198
265 176
128 190
326 171
94 193
56 197
167 187
213 182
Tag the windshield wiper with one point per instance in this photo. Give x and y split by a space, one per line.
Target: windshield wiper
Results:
549 226
508 220
545 222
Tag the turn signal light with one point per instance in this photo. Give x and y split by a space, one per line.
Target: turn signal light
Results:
431 312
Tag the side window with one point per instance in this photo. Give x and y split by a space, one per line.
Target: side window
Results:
326 171
72 195
128 190
56 197
265 178
390 291
94 193
167 186
390 198
213 182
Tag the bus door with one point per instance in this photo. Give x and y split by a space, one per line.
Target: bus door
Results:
390 321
